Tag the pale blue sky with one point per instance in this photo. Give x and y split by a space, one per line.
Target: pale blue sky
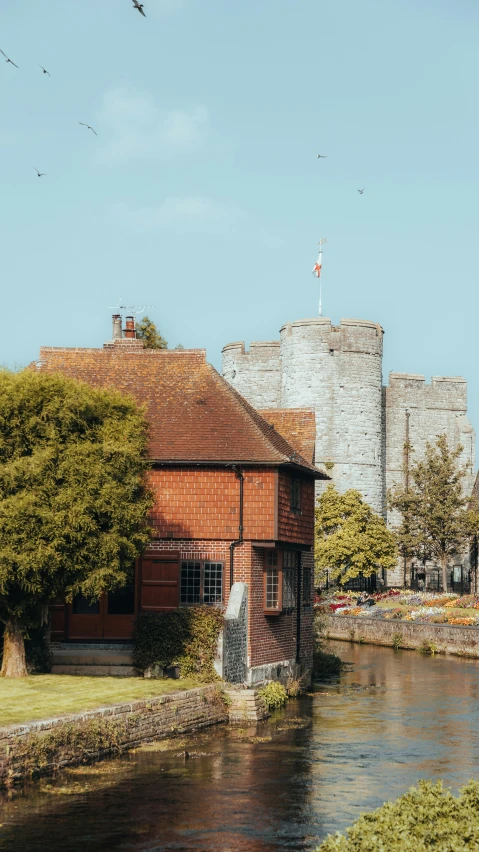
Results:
202 194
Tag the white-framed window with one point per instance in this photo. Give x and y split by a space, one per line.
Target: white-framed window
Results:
201 582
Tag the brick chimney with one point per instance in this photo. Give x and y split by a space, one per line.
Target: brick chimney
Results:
130 332
117 333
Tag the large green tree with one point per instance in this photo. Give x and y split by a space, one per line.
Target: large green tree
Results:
146 330
436 518
73 497
350 539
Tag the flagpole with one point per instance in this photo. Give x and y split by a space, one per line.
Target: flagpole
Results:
317 271
320 288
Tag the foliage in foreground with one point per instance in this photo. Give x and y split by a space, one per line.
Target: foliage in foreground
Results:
350 539
73 497
274 695
427 817
436 518
187 637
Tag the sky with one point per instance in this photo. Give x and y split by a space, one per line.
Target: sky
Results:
201 194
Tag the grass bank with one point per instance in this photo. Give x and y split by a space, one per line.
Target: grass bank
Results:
47 696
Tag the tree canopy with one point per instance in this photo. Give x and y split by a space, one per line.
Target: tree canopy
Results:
436 520
73 496
351 539
146 330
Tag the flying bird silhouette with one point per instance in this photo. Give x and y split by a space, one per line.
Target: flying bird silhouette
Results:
89 127
361 191
322 156
40 174
45 70
7 59
139 6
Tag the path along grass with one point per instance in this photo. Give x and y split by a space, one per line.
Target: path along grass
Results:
48 696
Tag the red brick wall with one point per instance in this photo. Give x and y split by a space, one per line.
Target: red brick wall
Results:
203 503
295 526
273 638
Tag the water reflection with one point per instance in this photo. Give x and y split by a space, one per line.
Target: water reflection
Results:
394 718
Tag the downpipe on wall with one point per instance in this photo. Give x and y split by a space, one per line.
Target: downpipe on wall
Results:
239 540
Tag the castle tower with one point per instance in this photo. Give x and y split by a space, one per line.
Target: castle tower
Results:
337 371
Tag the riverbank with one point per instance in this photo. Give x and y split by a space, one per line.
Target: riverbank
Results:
422 636
42 747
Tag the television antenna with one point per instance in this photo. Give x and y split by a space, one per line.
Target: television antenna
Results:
131 310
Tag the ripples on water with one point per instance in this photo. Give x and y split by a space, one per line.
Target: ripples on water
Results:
394 718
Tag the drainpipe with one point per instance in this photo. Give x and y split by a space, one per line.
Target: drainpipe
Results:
239 540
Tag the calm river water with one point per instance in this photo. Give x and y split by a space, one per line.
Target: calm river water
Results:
283 785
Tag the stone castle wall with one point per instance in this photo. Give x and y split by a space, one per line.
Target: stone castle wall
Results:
434 409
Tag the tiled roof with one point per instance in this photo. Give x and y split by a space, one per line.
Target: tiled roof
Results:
297 425
194 415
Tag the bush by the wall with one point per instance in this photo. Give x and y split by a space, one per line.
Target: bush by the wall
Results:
186 637
326 665
428 817
274 694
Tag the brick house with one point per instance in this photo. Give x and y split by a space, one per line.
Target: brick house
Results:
234 505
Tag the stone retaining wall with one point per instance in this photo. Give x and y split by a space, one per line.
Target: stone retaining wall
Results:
447 639
40 748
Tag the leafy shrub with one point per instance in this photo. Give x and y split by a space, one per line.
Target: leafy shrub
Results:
274 695
326 665
428 817
428 648
186 637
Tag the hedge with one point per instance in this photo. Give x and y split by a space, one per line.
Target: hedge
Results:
428 817
186 637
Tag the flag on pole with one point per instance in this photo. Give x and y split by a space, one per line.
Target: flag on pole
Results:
317 265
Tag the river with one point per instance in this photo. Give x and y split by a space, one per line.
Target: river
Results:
312 769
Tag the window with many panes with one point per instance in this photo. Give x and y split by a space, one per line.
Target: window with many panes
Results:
201 582
272 597
295 494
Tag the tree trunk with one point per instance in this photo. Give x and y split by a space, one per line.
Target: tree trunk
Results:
14 664
444 573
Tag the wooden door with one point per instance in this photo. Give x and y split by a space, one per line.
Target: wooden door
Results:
160 582
85 619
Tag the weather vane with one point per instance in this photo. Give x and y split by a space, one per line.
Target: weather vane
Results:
317 272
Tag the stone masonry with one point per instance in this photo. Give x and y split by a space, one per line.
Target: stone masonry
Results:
360 425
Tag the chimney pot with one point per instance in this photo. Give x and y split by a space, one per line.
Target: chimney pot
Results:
117 332
130 328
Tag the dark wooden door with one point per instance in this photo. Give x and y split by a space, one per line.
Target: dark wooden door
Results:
160 582
112 617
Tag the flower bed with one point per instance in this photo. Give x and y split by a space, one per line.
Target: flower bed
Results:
406 605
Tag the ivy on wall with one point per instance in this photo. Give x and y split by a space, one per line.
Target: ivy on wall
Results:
186 637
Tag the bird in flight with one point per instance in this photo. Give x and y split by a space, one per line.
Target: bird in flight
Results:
89 127
322 156
45 70
139 6
40 174
7 59
361 191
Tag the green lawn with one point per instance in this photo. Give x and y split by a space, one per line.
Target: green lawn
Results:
46 696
